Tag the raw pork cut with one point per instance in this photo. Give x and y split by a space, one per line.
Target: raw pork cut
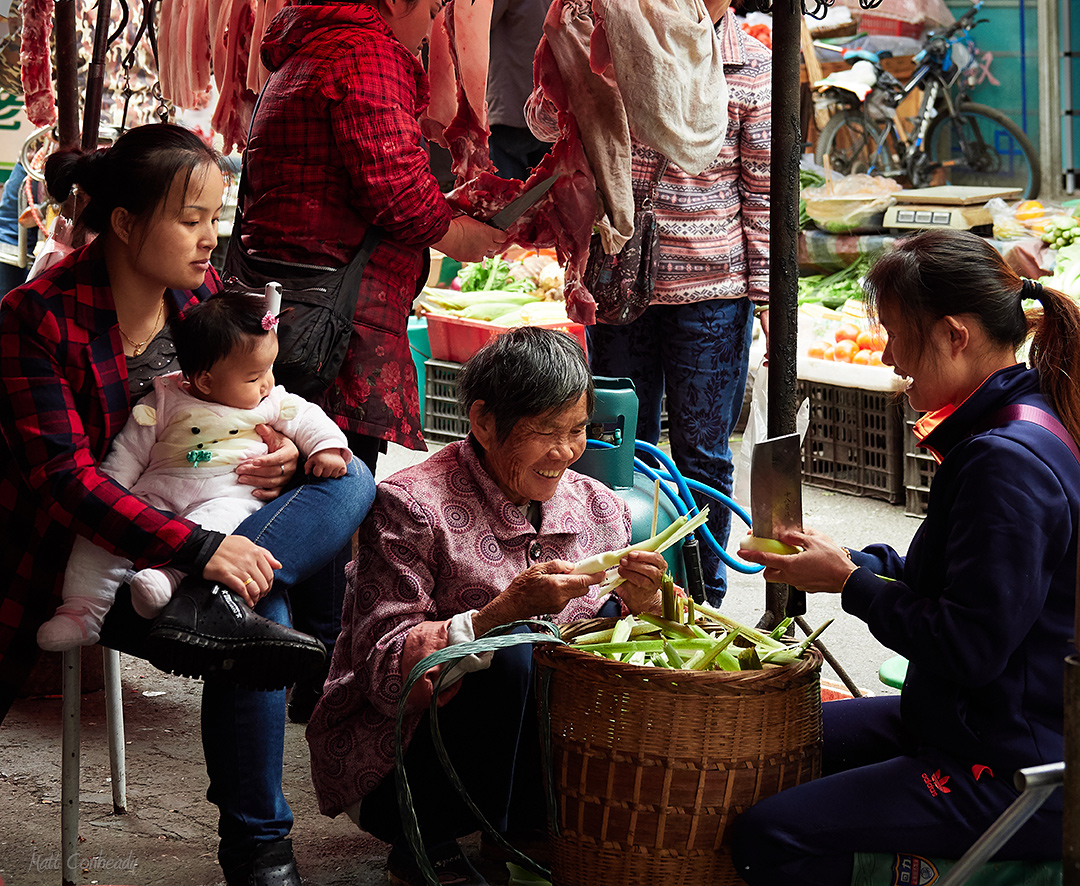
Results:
40 100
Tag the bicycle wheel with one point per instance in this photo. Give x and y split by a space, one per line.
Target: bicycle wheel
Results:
849 139
981 147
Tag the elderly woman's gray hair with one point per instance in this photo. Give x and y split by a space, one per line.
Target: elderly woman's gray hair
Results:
524 372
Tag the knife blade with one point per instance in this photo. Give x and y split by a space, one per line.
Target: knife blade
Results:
518 206
776 495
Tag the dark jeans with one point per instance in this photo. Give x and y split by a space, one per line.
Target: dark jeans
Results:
698 354
880 793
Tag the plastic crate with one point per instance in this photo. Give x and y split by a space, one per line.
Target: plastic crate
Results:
919 468
854 443
445 421
882 25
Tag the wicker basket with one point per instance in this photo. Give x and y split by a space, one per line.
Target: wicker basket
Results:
651 766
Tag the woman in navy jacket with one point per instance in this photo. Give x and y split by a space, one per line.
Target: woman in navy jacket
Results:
983 604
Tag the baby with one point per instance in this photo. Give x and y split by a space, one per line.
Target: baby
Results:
179 449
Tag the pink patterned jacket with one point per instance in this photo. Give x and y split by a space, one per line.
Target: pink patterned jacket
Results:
441 539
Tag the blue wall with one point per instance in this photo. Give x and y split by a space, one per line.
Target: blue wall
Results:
1010 32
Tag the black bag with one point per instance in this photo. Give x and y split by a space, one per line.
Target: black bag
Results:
318 305
622 284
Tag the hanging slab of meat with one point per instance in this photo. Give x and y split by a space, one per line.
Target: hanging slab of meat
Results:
265 10
665 53
231 38
184 52
39 98
458 54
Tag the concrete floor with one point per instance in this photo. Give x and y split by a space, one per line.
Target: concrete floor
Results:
168 834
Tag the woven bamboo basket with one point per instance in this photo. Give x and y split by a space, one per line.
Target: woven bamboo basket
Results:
651 766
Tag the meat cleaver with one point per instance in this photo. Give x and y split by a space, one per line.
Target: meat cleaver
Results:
519 205
776 496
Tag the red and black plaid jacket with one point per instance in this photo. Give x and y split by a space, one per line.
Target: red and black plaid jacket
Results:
336 147
63 396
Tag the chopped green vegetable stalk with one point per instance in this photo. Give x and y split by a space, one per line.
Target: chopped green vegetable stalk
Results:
781 629
707 658
670 627
660 542
673 657
755 636
667 597
748 659
791 654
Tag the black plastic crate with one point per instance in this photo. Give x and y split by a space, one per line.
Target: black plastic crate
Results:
919 468
854 443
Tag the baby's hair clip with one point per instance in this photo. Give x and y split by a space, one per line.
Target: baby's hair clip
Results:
269 322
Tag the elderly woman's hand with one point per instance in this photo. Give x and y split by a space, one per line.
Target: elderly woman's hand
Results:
543 589
270 473
822 566
642 572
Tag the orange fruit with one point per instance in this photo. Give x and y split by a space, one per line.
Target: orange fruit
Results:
817 349
844 350
875 358
829 353
1029 209
847 332
871 339
862 357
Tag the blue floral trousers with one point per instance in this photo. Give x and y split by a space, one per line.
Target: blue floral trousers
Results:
697 354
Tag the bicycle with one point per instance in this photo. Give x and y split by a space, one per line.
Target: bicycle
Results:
952 140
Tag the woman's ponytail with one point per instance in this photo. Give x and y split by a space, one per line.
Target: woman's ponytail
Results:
1055 353
71 166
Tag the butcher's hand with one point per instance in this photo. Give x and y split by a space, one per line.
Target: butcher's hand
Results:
243 567
471 240
641 572
543 589
822 566
270 473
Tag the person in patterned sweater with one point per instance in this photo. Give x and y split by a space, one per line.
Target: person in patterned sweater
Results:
713 277
482 534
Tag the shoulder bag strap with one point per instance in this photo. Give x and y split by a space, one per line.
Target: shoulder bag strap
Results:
1035 415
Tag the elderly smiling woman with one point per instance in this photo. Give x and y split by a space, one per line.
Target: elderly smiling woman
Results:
481 534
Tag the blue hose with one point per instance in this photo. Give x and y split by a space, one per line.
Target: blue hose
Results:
683 499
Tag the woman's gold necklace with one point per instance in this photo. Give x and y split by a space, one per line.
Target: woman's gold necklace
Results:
137 347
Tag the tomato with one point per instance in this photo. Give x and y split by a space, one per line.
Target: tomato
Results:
875 358
817 349
872 339
455 284
862 357
844 350
829 353
847 332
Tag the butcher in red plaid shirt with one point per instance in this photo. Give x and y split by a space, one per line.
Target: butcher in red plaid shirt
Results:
335 148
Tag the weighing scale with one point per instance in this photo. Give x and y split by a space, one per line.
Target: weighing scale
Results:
946 206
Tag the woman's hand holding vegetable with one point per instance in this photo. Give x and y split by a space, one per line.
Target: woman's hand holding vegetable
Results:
471 240
822 566
270 473
242 566
642 572
543 589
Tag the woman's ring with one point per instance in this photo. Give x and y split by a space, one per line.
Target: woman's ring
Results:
248 581
282 470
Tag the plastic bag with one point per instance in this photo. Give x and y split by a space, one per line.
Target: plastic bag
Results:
851 204
757 428
56 247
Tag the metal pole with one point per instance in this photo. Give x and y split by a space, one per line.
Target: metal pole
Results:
1070 827
69 770
67 85
787 147
114 720
95 77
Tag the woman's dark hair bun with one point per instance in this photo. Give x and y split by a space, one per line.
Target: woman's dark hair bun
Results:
71 166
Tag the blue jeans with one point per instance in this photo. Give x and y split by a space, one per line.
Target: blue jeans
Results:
698 354
243 729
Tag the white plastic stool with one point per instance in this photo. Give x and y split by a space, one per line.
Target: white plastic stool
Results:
69 770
